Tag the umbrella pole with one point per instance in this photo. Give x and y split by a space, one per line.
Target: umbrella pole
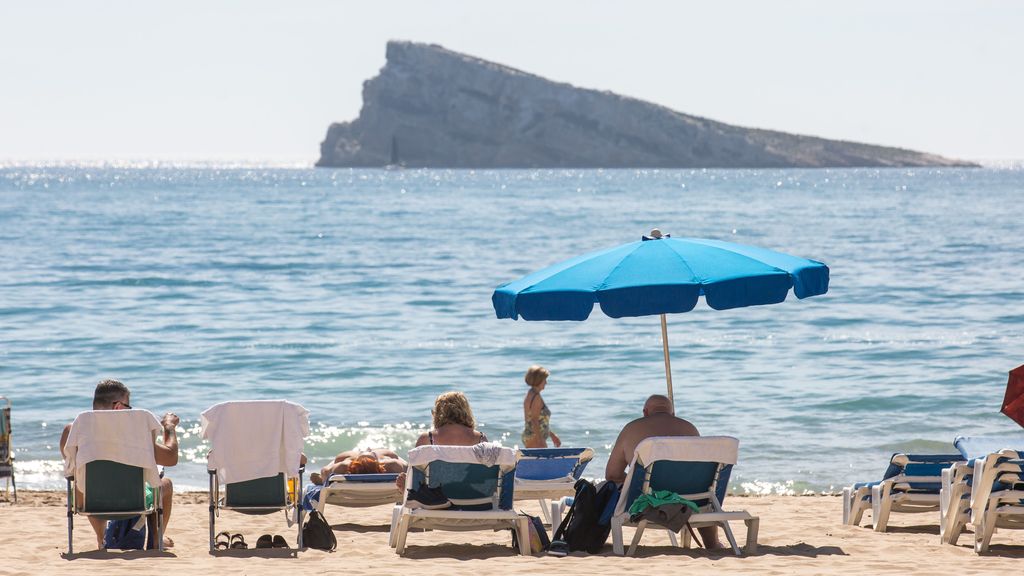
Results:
668 365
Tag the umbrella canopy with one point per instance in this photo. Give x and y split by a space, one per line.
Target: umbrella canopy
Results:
1013 401
660 275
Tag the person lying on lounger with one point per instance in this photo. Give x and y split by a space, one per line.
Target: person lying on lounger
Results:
373 461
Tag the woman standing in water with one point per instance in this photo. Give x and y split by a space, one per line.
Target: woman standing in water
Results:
536 412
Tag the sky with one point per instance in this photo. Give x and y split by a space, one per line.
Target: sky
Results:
262 81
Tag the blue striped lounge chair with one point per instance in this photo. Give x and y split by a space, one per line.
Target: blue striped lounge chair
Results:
478 482
692 467
548 475
986 491
911 484
359 491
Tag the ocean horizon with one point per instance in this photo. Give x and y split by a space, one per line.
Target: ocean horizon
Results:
362 294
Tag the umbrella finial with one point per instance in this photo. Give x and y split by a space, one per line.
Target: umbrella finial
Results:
656 235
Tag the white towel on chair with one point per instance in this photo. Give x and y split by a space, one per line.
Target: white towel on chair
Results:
123 436
255 439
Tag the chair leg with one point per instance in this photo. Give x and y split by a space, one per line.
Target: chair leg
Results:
159 519
213 519
299 544
672 538
636 537
881 505
731 538
687 539
544 511
523 527
396 514
617 546
753 524
71 519
403 532
847 504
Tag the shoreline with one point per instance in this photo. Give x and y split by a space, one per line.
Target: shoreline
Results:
798 535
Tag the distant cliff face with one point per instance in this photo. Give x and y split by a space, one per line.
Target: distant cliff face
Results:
430 107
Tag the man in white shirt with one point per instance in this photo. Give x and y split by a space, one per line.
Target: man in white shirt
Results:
113 395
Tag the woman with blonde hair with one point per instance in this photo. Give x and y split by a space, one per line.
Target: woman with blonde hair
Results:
536 412
453 423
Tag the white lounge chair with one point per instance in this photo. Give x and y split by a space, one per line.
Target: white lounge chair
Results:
997 496
911 484
955 511
548 475
691 467
255 453
477 480
359 491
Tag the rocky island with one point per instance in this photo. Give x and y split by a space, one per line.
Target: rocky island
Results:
431 107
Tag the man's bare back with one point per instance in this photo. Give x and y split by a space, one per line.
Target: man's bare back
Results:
657 421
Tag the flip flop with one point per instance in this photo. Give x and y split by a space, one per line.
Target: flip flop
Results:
222 543
265 541
238 542
280 542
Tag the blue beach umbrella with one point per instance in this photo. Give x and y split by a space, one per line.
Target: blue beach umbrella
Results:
660 275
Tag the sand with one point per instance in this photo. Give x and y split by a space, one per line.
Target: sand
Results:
798 535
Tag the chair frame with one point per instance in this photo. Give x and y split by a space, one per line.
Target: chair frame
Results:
352 493
292 503
73 509
550 493
7 465
711 514
404 518
894 494
971 499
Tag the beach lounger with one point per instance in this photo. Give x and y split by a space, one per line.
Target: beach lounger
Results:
990 464
548 475
691 467
359 491
479 483
911 484
6 450
258 466
997 496
112 490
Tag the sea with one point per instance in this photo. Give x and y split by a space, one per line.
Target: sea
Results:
363 294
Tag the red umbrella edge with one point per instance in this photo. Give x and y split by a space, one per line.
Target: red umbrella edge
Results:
1013 402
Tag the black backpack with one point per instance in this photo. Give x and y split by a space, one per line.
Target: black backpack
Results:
317 533
587 524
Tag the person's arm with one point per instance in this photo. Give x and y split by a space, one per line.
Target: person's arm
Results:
167 453
615 470
64 438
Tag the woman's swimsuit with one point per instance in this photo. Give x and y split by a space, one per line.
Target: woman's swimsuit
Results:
543 421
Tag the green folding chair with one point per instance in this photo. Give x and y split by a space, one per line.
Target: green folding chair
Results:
114 491
6 451
259 496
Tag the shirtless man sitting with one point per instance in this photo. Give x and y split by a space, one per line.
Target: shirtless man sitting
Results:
113 395
659 420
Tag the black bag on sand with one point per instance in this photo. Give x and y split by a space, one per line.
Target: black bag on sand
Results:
588 522
317 533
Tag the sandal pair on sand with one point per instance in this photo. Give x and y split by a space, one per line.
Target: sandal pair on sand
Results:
226 540
236 541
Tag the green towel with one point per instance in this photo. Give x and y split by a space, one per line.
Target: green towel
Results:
658 498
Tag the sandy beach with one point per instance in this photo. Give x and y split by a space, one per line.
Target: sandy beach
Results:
799 535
